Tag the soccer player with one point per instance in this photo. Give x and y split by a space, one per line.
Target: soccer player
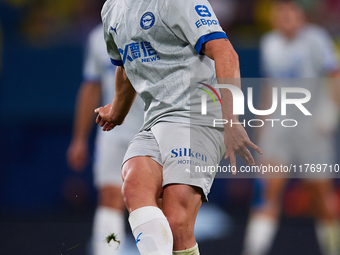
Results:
98 86
158 46
296 49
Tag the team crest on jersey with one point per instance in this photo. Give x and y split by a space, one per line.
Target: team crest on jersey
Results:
147 20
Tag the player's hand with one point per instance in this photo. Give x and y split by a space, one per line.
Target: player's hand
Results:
77 155
104 118
236 142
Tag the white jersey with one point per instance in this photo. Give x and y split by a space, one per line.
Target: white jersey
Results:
305 59
159 43
301 62
310 54
97 67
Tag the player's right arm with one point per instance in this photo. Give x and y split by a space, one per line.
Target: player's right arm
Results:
228 71
114 114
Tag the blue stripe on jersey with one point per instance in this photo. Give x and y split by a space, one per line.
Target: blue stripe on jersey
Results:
208 37
117 62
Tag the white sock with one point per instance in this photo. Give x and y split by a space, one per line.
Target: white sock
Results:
107 221
260 234
328 236
192 251
151 231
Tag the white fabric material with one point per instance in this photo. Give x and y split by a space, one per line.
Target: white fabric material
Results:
157 42
181 157
107 221
143 215
151 231
310 54
260 235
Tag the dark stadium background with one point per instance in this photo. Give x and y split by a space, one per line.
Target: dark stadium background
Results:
45 208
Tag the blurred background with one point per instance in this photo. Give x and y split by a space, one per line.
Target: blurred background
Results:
45 208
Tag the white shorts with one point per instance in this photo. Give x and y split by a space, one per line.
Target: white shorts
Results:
179 148
298 147
110 149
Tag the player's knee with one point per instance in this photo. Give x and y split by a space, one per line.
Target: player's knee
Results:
133 193
142 183
181 230
137 196
180 224
176 224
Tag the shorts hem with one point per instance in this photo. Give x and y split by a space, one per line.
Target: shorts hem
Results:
205 193
141 155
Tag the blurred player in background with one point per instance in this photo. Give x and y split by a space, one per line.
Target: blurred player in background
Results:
1 48
158 47
296 49
98 87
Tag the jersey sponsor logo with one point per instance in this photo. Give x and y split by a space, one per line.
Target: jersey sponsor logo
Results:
147 20
206 22
202 11
139 50
188 152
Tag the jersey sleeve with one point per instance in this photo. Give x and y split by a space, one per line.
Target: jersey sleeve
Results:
111 46
91 67
193 21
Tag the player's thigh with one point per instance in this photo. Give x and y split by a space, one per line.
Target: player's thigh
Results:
142 178
185 147
181 204
142 172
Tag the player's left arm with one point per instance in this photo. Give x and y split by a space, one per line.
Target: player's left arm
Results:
228 72
114 114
